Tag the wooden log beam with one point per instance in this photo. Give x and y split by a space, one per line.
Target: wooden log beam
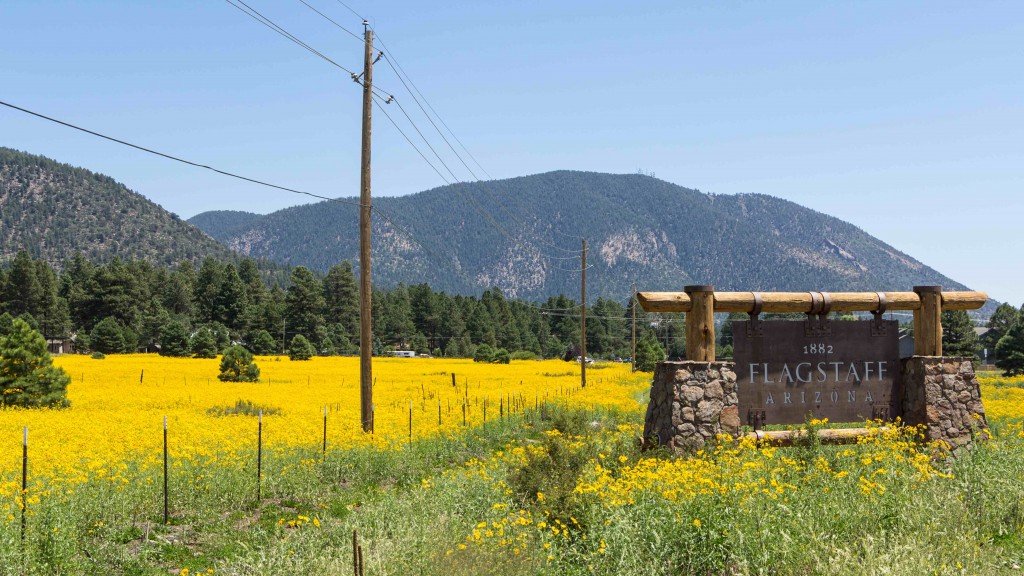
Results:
827 436
803 301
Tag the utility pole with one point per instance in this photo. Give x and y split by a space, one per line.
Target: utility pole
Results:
632 305
365 319
583 321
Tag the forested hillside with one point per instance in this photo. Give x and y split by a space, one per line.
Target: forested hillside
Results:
54 210
222 224
523 235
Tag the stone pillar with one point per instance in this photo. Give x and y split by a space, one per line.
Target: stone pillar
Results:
942 393
691 402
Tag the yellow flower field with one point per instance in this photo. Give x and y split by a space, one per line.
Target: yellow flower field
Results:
118 405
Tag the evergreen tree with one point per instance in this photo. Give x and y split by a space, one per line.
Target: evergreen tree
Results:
648 353
51 309
174 339
203 343
263 344
107 337
341 297
206 290
232 300
28 377
22 292
958 335
304 303
300 348
999 323
1010 350
237 366
177 293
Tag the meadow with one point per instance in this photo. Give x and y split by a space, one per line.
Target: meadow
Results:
551 483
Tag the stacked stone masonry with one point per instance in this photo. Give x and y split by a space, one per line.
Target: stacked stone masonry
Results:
942 393
691 402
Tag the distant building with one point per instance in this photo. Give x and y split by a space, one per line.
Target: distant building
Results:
404 354
60 345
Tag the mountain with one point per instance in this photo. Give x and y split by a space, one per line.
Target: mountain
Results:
223 224
53 210
523 235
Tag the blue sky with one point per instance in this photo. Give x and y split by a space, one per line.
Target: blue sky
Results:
906 119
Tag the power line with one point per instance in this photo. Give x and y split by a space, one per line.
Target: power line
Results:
176 158
328 18
353 11
390 98
486 189
416 88
401 229
407 139
257 16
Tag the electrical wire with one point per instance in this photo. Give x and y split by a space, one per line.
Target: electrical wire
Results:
384 215
176 158
256 15
328 18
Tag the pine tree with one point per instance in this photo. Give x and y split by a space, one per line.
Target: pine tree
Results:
958 335
28 377
203 344
304 303
263 343
107 337
648 353
237 366
174 339
999 323
1010 350
300 348
341 296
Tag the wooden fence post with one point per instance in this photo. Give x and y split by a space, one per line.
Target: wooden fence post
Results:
700 324
928 322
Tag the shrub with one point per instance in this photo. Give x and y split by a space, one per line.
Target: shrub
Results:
483 353
501 356
523 355
28 377
300 348
237 366
98 356
243 408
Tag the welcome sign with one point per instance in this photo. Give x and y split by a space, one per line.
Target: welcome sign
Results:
789 371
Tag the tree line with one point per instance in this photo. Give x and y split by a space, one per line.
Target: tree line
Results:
132 305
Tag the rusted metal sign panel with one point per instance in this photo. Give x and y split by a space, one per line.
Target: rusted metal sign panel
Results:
789 371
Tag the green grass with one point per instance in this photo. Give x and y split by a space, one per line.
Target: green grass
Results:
413 508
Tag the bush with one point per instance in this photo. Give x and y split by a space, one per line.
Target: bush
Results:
237 366
483 353
501 356
98 356
243 408
300 348
523 355
28 377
